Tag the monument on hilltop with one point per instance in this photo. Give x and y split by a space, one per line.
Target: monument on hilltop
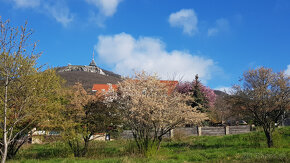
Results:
88 75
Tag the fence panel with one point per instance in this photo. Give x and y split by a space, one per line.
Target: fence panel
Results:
193 131
213 131
239 129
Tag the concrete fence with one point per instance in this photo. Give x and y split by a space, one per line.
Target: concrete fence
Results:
198 131
39 137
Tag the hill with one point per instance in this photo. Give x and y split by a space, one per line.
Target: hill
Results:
87 75
220 93
92 74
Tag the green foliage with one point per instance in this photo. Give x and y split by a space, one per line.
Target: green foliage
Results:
33 102
45 151
27 95
85 115
199 98
101 117
203 98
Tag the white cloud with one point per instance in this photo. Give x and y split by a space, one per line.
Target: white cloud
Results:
59 11
127 54
106 7
220 26
185 19
26 3
287 71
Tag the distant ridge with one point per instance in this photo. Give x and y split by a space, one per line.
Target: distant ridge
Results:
219 93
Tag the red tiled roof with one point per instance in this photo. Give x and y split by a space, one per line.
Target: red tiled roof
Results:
105 87
171 84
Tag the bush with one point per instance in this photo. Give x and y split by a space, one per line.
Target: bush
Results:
179 135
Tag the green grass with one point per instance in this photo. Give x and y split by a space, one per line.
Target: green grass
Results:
249 147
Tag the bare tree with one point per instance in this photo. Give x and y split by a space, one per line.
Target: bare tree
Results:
264 96
221 110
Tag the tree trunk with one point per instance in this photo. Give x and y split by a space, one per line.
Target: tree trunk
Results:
269 137
4 155
14 146
159 143
86 146
5 141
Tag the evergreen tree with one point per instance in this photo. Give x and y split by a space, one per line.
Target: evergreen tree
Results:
199 99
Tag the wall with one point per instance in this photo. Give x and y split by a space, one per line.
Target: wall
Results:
199 131
213 131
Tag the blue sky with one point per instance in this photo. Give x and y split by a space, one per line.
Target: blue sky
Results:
219 40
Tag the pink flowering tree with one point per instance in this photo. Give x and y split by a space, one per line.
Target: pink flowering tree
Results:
203 96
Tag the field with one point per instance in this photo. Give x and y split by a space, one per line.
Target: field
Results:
249 147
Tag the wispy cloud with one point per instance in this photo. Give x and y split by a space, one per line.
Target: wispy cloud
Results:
106 8
59 11
55 9
221 25
185 19
97 19
126 54
26 3
287 71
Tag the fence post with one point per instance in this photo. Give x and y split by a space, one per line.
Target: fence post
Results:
252 127
198 128
227 130
171 133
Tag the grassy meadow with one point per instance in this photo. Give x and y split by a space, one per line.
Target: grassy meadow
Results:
249 147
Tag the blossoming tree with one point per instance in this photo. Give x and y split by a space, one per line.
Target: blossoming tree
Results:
152 110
